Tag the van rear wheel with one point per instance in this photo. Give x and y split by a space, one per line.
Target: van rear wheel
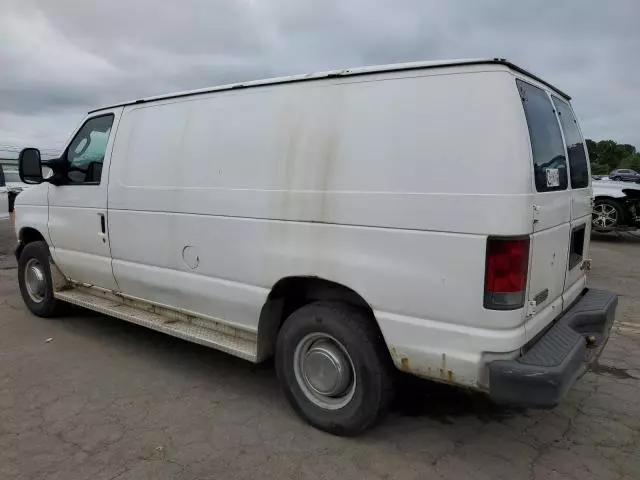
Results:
333 367
34 279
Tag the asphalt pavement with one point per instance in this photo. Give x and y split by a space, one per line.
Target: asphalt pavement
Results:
91 397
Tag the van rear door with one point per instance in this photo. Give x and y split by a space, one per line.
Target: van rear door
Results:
581 198
552 208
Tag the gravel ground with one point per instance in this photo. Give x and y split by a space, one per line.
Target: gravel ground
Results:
107 400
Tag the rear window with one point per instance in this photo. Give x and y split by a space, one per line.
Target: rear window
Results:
578 169
549 162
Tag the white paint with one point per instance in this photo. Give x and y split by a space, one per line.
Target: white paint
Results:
32 210
190 257
388 183
607 188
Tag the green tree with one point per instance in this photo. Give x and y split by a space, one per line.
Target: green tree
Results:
592 148
599 169
608 155
631 161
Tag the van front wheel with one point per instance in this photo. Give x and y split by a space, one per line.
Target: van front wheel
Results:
34 278
334 369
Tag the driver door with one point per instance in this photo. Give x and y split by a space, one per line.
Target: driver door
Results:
78 208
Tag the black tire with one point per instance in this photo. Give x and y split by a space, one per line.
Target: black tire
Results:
617 179
619 210
48 306
374 372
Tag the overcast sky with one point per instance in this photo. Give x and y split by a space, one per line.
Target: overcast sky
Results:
58 58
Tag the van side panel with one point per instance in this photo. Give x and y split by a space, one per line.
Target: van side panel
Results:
240 259
410 153
380 183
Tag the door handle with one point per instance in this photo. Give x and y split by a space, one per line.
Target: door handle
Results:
103 228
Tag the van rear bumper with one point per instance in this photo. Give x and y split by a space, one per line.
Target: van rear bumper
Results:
541 377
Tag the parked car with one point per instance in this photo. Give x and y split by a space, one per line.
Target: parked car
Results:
4 197
12 179
14 186
625 175
616 206
315 218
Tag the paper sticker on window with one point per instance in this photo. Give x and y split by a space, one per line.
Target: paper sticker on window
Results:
553 177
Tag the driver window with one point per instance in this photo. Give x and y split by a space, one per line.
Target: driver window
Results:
86 152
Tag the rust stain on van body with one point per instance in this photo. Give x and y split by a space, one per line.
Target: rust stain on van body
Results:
404 363
442 374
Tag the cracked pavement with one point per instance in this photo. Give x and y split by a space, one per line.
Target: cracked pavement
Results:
107 400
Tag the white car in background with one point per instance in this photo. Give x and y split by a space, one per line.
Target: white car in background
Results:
616 205
14 186
4 197
13 182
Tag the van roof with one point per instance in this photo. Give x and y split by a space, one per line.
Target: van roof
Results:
343 73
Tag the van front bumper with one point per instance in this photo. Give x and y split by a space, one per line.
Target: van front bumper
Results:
542 376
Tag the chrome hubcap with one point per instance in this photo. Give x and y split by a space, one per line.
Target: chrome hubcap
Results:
605 217
324 371
35 280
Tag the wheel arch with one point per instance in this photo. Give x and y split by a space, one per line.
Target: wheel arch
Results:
27 235
608 197
291 293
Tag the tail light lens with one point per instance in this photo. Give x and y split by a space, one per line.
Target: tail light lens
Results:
506 273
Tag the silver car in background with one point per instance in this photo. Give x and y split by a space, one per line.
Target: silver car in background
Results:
624 175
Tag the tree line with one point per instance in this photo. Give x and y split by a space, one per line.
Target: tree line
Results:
608 155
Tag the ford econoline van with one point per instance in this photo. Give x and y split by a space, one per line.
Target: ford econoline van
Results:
432 218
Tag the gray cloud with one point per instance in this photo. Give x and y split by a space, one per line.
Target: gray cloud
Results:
61 58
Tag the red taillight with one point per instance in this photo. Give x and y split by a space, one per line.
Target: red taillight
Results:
506 273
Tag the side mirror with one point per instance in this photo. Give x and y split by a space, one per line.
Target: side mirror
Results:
30 166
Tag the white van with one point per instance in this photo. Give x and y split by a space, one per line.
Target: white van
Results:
434 217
